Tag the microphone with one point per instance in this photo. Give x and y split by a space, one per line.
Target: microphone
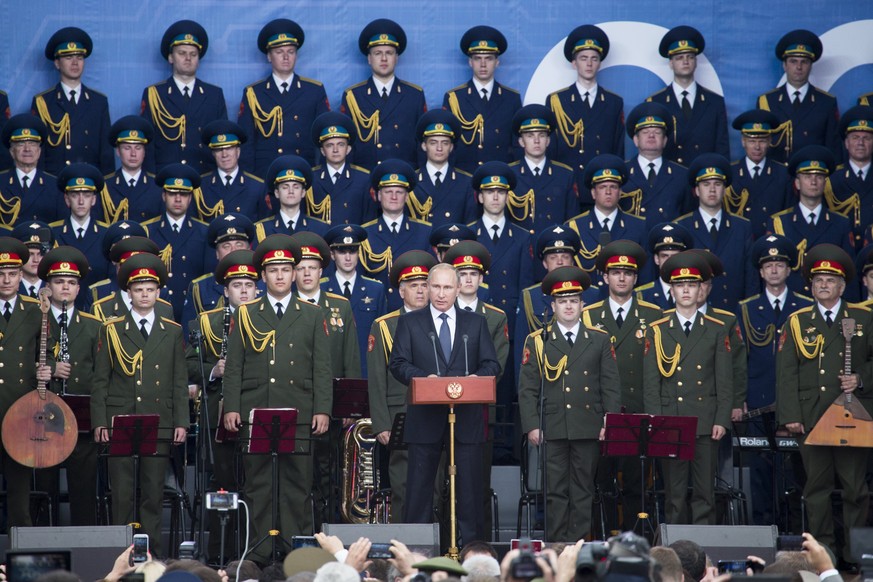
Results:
466 358
436 358
604 238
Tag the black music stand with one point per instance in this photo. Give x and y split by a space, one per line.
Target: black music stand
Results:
136 436
272 431
80 404
648 436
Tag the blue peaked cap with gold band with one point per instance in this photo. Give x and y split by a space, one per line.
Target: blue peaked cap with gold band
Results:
649 114
799 43
184 32
756 123
222 133
812 159
230 226
68 41
483 40
288 169
280 32
80 177
436 123
858 118
709 167
393 173
178 178
533 117
131 129
345 235
23 127
681 39
332 124
494 174
668 236
605 168
557 239
586 37
773 247
382 32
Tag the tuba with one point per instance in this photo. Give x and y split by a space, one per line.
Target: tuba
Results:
361 501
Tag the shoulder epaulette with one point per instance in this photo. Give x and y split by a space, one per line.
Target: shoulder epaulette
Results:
87 315
776 90
670 311
47 91
167 320
387 316
684 216
200 221
102 300
312 81
307 303
860 306
424 222
335 296
202 278
800 296
749 299
253 177
28 299
249 302
102 223
458 88
597 305
515 163
95 91
323 280
371 223
806 309
649 98
212 311
355 86
114 320
316 169
536 333
413 85
713 320
722 311
532 287
645 286
57 223
823 92
164 301
660 321
373 280
359 168
561 165
783 212
583 215
561 90
614 94
151 221
492 308
510 89
462 172
159 83
642 303
597 329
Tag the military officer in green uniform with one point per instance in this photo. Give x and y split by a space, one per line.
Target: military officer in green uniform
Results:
278 356
75 351
687 372
238 275
575 365
19 343
810 368
386 394
625 318
140 369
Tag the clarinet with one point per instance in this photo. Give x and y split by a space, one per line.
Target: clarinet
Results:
64 349
224 333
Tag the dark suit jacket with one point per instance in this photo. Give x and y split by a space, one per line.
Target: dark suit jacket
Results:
42 201
143 198
413 357
771 192
815 122
665 200
705 132
350 199
453 200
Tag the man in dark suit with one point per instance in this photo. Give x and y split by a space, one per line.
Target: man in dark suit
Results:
340 190
414 356
229 188
442 194
482 106
687 372
131 192
810 375
141 369
26 192
385 109
277 113
558 360
807 115
19 340
851 184
760 186
656 188
182 105
699 114
288 179
81 184
279 357
77 116
589 119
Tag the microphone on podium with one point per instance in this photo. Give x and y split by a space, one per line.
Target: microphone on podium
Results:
436 358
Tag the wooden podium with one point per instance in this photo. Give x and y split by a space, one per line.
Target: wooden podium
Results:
451 391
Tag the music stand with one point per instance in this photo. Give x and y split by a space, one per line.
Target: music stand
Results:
80 404
272 431
647 436
136 436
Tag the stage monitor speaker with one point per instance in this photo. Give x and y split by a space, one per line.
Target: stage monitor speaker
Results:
861 539
421 537
93 548
725 542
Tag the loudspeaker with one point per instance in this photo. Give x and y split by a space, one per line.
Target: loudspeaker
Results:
419 537
725 542
93 548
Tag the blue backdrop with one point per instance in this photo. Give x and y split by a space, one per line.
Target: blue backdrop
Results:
740 37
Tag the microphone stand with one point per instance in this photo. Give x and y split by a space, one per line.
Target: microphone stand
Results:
541 464
204 458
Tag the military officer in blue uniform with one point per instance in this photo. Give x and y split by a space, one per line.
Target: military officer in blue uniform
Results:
590 119
509 244
27 192
394 232
76 116
340 190
228 188
181 106
728 237
656 188
809 222
385 109
37 237
545 191
366 295
80 185
276 113
288 179
665 240
130 191
442 194
699 114
759 184
444 237
482 106
807 115
605 222
226 233
114 234
182 239
851 187
762 318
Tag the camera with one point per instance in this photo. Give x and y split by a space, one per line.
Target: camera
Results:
222 501
188 550
624 557
524 566
380 552
590 559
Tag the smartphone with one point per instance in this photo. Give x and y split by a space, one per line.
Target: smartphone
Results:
25 566
737 567
789 544
304 542
140 551
380 552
